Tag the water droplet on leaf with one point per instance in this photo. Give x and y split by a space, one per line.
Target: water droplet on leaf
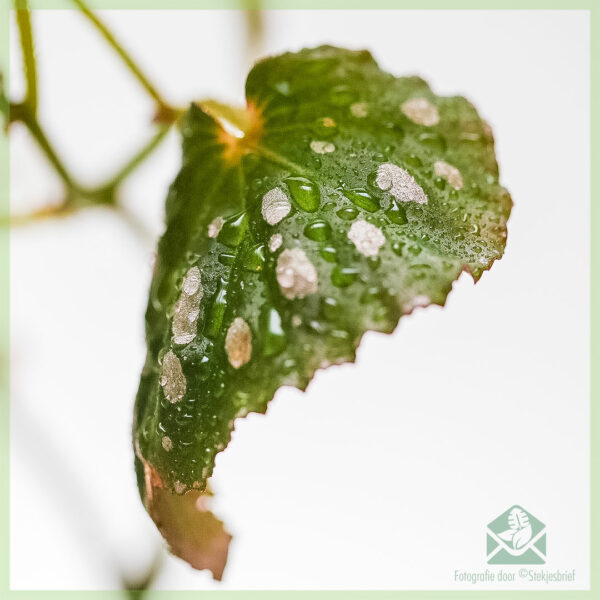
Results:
305 193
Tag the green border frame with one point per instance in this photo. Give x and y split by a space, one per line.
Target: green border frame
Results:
594 592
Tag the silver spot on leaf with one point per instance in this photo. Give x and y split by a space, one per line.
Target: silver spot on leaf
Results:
321 147
296 275
215 227
275 206
400 183
275 242
449 172
172 378
179 487
238 343
366 237
359 109
421 111
167 443
187 308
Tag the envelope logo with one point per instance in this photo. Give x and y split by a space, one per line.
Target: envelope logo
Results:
516 537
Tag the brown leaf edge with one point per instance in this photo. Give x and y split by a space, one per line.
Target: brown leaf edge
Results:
186 522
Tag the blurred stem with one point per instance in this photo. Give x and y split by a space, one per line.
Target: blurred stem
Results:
4 103
24 114
23 15
131 165
77 195
138 588
253 17
164 111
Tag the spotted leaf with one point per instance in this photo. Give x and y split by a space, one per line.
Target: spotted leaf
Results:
340 199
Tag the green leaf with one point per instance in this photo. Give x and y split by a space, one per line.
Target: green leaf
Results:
352 197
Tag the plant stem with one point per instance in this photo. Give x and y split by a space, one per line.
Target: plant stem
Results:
22 112
77 195
144 152
29 65
254 21
4 103
165 111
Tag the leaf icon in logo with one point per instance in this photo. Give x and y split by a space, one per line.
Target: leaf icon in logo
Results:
517 518
521 537
507 535
520 529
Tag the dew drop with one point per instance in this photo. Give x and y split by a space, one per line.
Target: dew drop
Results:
218 310
348 214
363 199
226 258
305 193
344 276
413 160
439 182
331 308
204 368
254 258
374 262
398 247
233 229
396 214
318 231
371 294
329 253
434 141
272 334
283 87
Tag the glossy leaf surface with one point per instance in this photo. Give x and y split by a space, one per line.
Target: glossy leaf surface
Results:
352 197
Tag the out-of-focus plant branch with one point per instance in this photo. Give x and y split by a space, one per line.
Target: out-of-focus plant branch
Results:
165 113
78 195
29 64
255 28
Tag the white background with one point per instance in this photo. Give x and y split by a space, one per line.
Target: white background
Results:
385 473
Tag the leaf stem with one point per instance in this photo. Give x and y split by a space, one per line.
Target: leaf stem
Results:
23 16
77 195
4 103
138 158
22 112
164 111
282 161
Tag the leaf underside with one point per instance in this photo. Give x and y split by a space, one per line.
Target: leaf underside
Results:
327 134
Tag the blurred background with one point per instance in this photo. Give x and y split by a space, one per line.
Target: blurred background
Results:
385 473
